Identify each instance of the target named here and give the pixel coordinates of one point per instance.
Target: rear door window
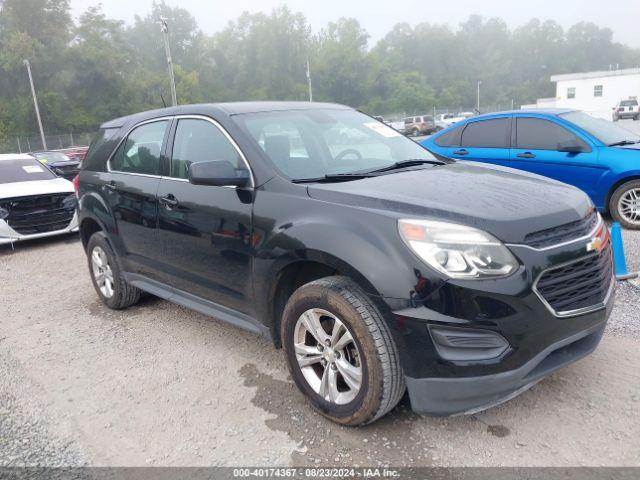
(450, 138)
(487, 134)
(540, 134)
(140, 152)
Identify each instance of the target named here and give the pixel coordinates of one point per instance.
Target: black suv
(378, 267)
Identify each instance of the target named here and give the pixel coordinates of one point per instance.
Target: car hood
(36, 187)
(505, 202)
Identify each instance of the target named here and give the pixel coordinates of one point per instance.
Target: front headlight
(456, 250)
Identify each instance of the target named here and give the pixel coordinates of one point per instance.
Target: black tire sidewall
(613, 204)
(334, 303)
(99, 240)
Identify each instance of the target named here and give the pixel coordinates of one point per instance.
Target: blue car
(595, 155)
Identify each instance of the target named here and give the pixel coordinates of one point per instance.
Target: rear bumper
(466, 395)
(8, 235)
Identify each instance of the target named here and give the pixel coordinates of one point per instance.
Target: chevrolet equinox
(376, 266)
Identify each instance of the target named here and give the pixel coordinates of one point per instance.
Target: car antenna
(163, 102)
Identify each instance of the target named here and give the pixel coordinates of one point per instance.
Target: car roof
(16, 156)
(231, 108)
(536, 111)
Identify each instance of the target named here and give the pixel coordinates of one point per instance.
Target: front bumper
(466, 346)
(467, 395)
(8, 235)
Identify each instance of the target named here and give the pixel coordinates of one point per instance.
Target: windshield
(607, 132)
(12, 171)
(306, 144)
(51, 157)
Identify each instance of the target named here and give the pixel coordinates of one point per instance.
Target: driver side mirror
(218, 173)
(571, 147)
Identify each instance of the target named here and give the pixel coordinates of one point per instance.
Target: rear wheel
(106, 275)
(625, 205)
(340, 352)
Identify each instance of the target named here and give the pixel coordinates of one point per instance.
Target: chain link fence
(33, 143)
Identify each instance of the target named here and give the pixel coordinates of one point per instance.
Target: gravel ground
(160, 385)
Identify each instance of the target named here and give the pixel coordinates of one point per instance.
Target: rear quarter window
(103, 143)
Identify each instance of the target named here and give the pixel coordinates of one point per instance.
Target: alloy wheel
(102, 272)
(629, 206)
(328, 356)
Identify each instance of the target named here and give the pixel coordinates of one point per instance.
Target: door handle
(461, 152)
(526, 155)
(169, 201)
(110, 185)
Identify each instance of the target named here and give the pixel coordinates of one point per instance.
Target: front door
(130, 189)
(205, 230)
(536, 150)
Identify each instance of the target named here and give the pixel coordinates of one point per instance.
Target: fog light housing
(467, 345)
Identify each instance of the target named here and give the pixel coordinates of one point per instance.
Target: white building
(594, 92)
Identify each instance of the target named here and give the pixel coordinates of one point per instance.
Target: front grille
(39, 213)
(563, 233)
(578, 285)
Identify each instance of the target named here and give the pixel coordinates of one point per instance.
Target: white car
(626, 109)
(444, 120)
(34, 202)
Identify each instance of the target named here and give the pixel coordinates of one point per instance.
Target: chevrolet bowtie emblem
(595, 244)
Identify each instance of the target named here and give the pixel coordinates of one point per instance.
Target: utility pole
(309, 81)
(165, 34)
(35, 104)
(478, 104)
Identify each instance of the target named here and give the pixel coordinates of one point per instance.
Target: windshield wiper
(622, 143)
(334, 177)
(408, 163)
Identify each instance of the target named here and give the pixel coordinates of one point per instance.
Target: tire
(628, 195)
(100, 255)
(371, 351)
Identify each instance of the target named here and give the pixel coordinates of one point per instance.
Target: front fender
(362, 244)
(613, 181)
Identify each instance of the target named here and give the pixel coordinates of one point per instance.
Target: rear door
(205, 230)
(486, 141)
(130, 190)
(536, 149)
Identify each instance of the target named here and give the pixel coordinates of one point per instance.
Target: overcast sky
(378, 16)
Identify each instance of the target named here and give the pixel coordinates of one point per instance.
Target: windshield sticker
(382, 129)
(32, 169)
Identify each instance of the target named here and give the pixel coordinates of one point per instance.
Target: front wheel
(625, 205)
(340, 352)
